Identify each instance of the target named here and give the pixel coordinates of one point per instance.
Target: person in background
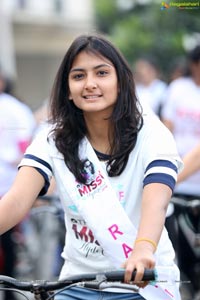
(149, 87)
(17, 125)
(178, 68)
(191, 164)
(97, 116)
(181, 114)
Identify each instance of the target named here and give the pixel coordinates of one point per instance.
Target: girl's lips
(91, 96)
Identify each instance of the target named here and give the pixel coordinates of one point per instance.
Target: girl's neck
(98, 135)
(99, 140)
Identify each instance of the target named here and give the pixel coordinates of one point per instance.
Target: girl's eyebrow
(96, 67)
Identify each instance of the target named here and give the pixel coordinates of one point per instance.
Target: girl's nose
(90, 83)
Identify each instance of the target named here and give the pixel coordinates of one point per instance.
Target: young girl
(117, 219)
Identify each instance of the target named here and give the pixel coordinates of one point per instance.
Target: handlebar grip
(118, 276)
(149, 275)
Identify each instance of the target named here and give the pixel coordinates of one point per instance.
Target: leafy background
(145, 28)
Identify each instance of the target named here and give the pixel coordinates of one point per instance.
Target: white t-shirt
(16, 129)
(154, 159)
(182, 108)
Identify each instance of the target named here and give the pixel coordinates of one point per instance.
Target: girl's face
(93, 83)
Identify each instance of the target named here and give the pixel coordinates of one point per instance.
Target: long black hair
(70, 127)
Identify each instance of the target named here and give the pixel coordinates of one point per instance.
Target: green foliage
(146, 29)
(106, 14)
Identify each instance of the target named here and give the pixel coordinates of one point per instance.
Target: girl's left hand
(140, 259)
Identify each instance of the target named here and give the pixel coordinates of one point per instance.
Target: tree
(148, 29)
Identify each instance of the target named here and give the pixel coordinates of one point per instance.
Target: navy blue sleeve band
(160, 178)
(46, 184)
(39, 160)
(161, 163)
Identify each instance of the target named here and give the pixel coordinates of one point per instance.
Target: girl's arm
(155, 199)
(16, 203)
(191, 163)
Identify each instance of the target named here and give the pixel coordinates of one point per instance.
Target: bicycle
(187, 214)
(40, 238)
(46, 290)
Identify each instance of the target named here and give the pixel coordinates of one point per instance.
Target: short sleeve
(161, 160)
(37, 156)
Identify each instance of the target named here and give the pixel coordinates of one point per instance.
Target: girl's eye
(102, 72)
(77, 76)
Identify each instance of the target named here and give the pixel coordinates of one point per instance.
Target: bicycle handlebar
(195, 203)
(92, 280)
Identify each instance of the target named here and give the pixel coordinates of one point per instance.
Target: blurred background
(34, 36)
